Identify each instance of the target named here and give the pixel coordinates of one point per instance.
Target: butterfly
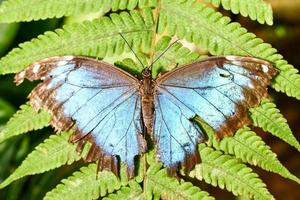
(113, 109)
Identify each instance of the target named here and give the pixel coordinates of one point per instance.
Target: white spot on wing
(49, 86)
(236, 62)
(251, 86)
(36, 68)
(69, 58)
(265, 68)
(231, 58)
(22, 74)
(62, 63)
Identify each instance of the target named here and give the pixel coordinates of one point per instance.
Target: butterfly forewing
(218, 89)
(102, 101)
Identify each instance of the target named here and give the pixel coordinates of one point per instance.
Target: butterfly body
(147, 94)
(112, 109)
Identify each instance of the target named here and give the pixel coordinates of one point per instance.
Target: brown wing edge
(43, 98)
(39, 69)
(188, 164)
(265, 72)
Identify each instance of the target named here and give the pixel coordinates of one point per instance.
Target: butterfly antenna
(132, 50)
(164, 52)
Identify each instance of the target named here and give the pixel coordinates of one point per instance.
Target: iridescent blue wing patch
(218, 89)
(102, 101)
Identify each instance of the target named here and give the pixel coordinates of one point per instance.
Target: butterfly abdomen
(147, 94)
(147, 111)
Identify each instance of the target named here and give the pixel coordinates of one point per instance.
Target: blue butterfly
(113, 109)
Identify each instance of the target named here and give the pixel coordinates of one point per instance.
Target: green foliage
(22, 10)
(255, 9)
(250, 148)
(24, 120)
(176, 55)
(132, 191)
(84, 185)
(85, 39)
(53, 153)
(162, 186)
(229, 173)
(211, 31)
(269, 118)
(190, 21)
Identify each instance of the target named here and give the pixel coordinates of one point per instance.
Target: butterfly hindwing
(174, 133)
(219, 90)
(102, 101)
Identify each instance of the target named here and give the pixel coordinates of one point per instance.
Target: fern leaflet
(269, 118)
(250, 148)
(56, 149)
(22, 10)
(23, 121)
(161, 185)
(84, 185)
(227, 172)
(210, 30)
(255, 9)
(132, 191)
(98, 38)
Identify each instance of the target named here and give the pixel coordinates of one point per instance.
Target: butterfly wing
(218, 89)
(101, 100)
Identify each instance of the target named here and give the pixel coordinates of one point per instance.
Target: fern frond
(250, 148)
(54, 152)
(176, 55)
(22, 10)
(132, 191)
(269, 118)
(256, 9)
(98, 38)
(24, 120)
(210, 30)
(229, 173)
(83, 184)
(162, 186)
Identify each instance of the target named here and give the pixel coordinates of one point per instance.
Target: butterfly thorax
(146, 91)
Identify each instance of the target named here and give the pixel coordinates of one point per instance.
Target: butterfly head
(147, 73)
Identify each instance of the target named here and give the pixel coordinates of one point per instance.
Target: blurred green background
(284, 36)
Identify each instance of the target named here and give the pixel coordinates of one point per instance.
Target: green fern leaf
(56, 149)
(98, 38)
(227, 172)
(176, 55)
(269, 118)
(132, 191)
(159, 184)
(204, 26)
(250, 148)
(255, 9)
(22, 10)
(23, 121)
(83, 184)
